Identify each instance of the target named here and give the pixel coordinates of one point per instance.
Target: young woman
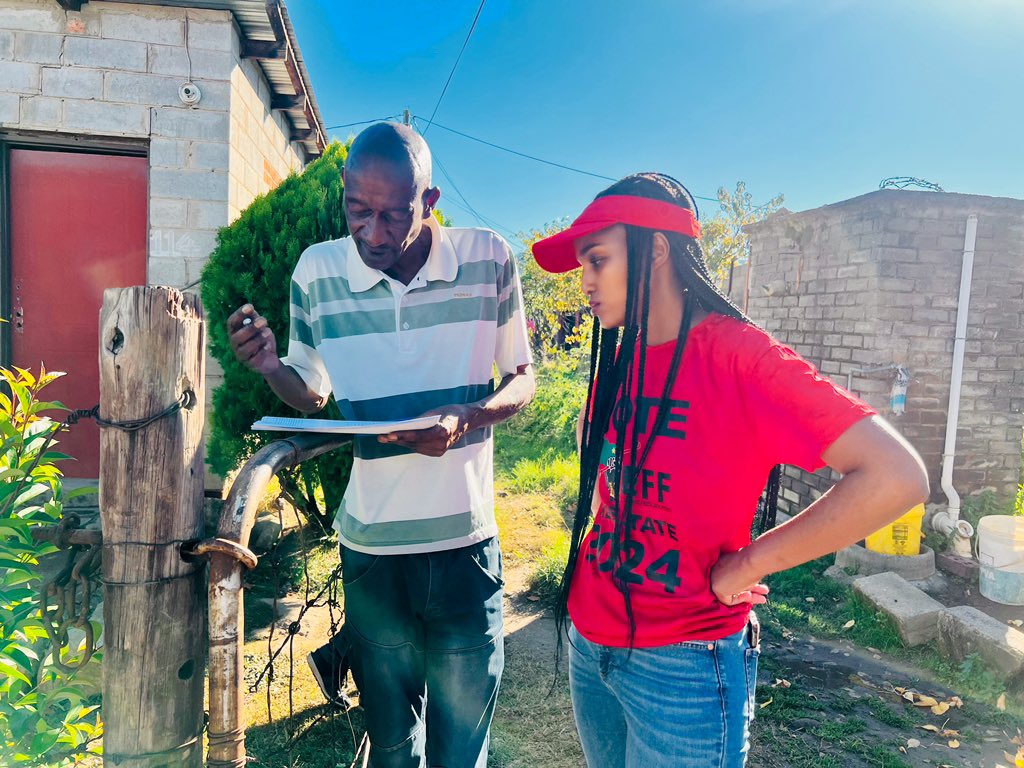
(691, 409)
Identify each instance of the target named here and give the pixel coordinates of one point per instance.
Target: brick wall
(253, 125)
(114, 70)
(874, 281)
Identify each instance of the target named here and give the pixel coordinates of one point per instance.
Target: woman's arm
(882, 478)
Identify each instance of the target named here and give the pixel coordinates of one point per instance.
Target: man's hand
(731, 586)
(438, 439)
(252, 341)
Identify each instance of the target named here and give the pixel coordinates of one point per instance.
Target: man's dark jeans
(427, 652)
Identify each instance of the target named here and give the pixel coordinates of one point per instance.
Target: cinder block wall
(873, 281)
(260, 153)
(113, 70)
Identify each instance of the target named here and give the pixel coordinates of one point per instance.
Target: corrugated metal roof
(254, 18)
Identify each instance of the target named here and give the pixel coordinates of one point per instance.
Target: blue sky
(817, 99)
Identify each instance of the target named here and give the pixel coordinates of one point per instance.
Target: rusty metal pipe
(227, 715)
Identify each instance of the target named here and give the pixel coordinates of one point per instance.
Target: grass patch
(533, 724)
(547, 576)
(893, 718)
(834, 605)
(830, 607)
(547, 424)
(528, 524)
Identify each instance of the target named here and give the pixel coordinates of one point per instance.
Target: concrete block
(188, 184)
(41, 112)
(98, 116)
(73, 82)
(167, 271)
(105, 54)
(839, 575)
(206, 214)
(213, 65)
(168, 153)
(211, 35)
(38, 17)
(167, 60)
(914, 613)
(190, 124)
(206, 65)
(142, 26)
(10, 108)
(176, 243)
(6, 45)
(167, 213)
(209, 154)
(964, 630)
(864, 562)
(195, 267)
(20, 76)
(203, 243)
(38, 47)
(138, 88)
(84, 22)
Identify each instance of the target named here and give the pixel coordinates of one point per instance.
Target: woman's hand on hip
(731, 586)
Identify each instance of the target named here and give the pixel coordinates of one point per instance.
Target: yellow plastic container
(900, 537)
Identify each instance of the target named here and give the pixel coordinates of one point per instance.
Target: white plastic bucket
(1001, 556)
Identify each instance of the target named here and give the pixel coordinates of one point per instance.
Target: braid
(610, 396)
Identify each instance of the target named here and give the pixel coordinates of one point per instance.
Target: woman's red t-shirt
(741, 404)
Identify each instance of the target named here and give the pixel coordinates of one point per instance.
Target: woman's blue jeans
(687, 705)
(427, 652)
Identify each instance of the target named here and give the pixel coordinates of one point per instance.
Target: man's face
(384, 210)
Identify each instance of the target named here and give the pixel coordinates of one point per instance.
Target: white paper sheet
(284, 424)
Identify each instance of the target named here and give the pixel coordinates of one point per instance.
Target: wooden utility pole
(152, 350)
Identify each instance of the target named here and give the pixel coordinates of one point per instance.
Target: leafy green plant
(253, 263)
(45, 719)
(556, 309)
(723, 239)
(546, 580)
(976, 677)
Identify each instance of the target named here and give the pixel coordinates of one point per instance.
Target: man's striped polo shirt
(391, 351)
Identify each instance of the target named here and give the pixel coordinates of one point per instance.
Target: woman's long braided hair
(615, 382)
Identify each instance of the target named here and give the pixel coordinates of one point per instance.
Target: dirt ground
(827, 703)
(820, 702)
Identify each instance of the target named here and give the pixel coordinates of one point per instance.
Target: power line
(455, 65)
(466, 205)
(490, 143)
(361, 122)
(522, 154)
(540, 159)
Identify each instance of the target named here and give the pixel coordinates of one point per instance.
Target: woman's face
(603, 256)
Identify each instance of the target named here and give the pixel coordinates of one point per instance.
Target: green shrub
(253, 262)
(44, 718)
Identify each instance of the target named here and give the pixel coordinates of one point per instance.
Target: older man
(404, 318)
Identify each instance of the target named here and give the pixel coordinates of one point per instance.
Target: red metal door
(78, 225)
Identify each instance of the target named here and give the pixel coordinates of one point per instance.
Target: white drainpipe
(944, 522)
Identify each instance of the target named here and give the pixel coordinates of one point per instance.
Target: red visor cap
(557, 254)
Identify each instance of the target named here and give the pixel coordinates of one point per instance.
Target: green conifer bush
(253, 262)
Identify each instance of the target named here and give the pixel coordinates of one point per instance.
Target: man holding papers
(407, 318)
